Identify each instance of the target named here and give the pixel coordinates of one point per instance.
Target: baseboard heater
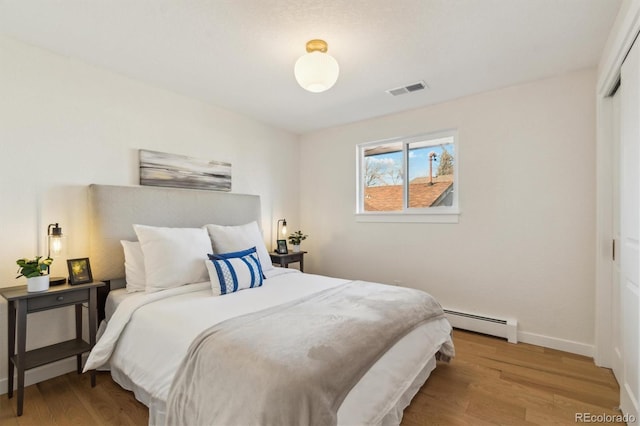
(505, 328)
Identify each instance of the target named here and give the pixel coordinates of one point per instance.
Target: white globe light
(316, 71)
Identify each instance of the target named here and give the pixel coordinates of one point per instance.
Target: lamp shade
(316, 71)
(281, 230)
(55, 248)
(54, 235)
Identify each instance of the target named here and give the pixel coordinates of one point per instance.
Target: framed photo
(79, 271)
(282, 247)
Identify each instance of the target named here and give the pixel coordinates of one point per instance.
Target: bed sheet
(156, 339)
(114, 298)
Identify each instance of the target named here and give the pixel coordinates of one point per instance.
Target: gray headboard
(114, 209)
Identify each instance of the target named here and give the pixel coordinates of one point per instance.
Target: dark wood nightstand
(285, 259)
(22, 303)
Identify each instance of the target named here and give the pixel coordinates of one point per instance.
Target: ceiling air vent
(413, 87)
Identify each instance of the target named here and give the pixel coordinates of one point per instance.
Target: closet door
(616, 298)
(630, 233)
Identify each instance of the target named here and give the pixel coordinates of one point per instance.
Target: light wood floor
(489, 382)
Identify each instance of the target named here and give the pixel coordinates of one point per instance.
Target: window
(409, 179)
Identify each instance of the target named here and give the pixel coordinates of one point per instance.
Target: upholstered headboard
(114, 209)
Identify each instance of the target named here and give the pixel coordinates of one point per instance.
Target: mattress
(155, 340)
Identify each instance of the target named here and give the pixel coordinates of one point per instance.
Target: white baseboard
(556, 343)
(42, 373)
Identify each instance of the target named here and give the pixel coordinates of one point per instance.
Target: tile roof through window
(389, 197)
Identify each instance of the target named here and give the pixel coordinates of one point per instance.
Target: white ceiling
(239, 54)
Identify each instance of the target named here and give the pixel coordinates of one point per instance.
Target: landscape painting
(180, 171)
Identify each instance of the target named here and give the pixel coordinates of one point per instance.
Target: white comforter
(149, 334)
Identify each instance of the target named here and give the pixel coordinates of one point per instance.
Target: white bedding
(114, 299)
(145, 352)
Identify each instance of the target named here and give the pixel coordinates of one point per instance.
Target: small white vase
(296, 248)
(36, 284)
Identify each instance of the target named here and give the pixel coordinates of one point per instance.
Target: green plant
(33, 267)
(297, 237)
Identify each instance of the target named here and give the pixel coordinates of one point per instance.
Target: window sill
(400, 217)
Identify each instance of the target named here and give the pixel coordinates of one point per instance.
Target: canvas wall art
(180, 171)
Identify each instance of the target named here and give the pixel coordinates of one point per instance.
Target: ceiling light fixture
(316, 71)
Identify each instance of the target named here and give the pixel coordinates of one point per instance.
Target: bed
(147, 337)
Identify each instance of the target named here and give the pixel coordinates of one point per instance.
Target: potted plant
(34, 270)
(295, 239)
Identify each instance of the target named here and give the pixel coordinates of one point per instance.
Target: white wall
(65, 124)
(524, 247)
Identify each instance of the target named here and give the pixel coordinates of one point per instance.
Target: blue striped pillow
(231, 272)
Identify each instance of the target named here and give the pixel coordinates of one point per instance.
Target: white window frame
(441, 214)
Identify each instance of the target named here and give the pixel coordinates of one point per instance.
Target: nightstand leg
(301, 263)
(11, 321)
(93, 325)
(79, 335)
(22, 343)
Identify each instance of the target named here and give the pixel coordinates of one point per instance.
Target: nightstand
(22, 303)
(285, 259)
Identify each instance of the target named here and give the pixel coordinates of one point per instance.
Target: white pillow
(237, 238)
(134, 266)
(173, 256)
